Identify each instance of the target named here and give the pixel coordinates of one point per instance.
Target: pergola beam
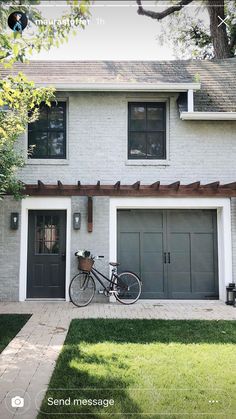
(136, 189)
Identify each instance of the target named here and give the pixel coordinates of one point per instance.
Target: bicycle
(126, 286)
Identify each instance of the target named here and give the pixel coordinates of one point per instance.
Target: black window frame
(63, 156)
(161, 105)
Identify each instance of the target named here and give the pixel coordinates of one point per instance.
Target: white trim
(42, 204)
(190, 101)
(208, 116)
(223, 223)
(123, 87)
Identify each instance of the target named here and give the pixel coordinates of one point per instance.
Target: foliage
(17, 47)
(187, 29)
(19, 101)
(19, 98)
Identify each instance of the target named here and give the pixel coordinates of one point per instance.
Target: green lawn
(149, 367)
(10, 325)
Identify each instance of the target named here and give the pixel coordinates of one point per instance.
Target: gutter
(208, 116)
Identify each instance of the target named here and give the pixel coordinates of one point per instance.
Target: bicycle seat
(114, 263)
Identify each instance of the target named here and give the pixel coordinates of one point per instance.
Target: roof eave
(123, 87)
(208, 116)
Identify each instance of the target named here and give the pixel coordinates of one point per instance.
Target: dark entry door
(46, 254)
(173, 251)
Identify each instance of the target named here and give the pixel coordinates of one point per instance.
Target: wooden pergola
(136, 189)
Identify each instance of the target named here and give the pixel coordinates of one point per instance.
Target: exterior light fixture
(230, 294)
(76, 220)
(14, 220)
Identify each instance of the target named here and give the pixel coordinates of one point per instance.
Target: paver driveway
(27, 362)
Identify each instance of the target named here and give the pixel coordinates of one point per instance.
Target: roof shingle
(217, 77)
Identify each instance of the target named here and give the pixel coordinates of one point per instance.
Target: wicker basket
(85, 264)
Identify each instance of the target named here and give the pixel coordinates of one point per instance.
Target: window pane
(137, 117)
(137, 145)
(42, 122)
(155, 145)
(56, 144)
(39, 142)
(155, 118)
(56, 117)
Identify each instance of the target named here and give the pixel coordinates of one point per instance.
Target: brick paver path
(28, 361)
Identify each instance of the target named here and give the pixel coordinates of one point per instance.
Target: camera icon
(17, 401)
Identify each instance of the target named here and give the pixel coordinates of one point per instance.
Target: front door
(173, 251)
(46, 254)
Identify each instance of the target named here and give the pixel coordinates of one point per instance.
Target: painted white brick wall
(97, 127)
(9, 251)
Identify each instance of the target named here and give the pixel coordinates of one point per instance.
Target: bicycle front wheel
(82, 289)
(128, 288)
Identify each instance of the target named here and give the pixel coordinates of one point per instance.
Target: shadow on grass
(10, 325)
(151, 331)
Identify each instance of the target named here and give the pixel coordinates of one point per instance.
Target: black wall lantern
(76, 220)
(230, 294)
(14, 220)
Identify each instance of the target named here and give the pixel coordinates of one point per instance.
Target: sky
(115, 32)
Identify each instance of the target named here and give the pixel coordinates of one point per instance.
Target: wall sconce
(14, 220)
(76, 220)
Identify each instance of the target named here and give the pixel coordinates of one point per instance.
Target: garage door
(173, 251)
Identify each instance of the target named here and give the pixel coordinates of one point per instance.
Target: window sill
(147, 162)
(57, 162)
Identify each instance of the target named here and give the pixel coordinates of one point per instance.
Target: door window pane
(47, 234)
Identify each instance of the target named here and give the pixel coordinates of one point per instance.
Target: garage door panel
(204, 282)
(152, 261)
(129, 250)
(190, 220)
(150, 278)
(180, 282)
(152, 242)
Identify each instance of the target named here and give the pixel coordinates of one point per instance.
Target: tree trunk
(218, 33)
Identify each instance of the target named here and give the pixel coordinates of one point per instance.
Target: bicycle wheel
(128, 288)
(82, 289)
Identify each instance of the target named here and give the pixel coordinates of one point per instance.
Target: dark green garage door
(173, 251)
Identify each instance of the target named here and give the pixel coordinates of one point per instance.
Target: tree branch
(161, 15)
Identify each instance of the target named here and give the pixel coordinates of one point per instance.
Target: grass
(10, 325)
(150, 368)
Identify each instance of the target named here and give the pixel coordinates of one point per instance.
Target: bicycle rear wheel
(82, 289)
(128, 288)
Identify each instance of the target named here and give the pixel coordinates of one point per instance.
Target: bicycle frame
(95, 273)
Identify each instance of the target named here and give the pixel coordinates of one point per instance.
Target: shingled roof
(217, 77)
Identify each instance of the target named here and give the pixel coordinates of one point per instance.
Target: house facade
(135, 161)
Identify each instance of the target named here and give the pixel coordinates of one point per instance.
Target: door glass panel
(47, 234)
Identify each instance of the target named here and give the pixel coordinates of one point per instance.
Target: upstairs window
(47, 135)
(147, 130)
